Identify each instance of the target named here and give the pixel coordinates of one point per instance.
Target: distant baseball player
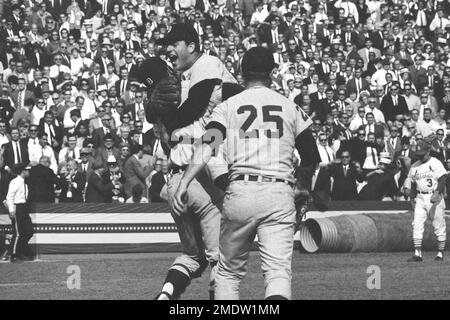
(260, 130)
(427, 177)
(203, 86)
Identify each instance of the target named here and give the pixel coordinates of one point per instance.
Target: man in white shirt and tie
(439, 22)
(325, 151)
(17, 202)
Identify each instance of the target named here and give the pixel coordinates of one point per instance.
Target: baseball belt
(247, 177)
(425, 192)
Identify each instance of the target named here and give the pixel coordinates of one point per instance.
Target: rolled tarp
(364, 233)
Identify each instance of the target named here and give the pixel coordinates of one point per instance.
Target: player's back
(261, 129)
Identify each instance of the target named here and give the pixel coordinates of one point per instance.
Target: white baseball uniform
(261, 127)
(426, 176)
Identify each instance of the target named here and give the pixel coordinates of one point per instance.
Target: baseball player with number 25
(260, 130)
(427, 177)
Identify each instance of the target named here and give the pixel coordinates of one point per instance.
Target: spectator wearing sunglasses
(345, 174)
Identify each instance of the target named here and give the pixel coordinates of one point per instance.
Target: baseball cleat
(415, 259)
(438, 258)
(163, 296)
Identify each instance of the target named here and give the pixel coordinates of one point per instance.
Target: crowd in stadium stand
(373, 75)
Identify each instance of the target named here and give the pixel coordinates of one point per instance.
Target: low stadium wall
(127, 228)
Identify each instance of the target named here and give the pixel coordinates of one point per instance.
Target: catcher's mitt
(164, 98)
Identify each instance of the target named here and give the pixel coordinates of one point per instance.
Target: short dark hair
(135, 148)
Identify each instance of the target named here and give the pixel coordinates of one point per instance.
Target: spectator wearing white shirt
(71, 152)
(379, 77)
(325, 151)
(349, 9)
(412, 100)
(76, 63)
(90, 106)
(43, 149)
(111, 76)
(378, 115)
(260, 14)
(439, 21)
(359, 119)
(4, 137)
(38, 111)
(425, 126)
(58, 67)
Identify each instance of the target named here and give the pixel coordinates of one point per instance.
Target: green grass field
(139, 276)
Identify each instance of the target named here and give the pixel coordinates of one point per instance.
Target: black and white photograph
(199, 150)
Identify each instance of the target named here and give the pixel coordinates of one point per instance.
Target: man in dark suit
(104, 59)
(15, 152)
(106, 129)
(323, 107)
(85, 166)
(8, 32)
(129, 44)
(380, 183)
(393, 142)
(21, 95)
(73, 183)
(214, 18)
(55, 133)
(323, 68)
(372, 127)
(345, 175)
(123, 84)
(357, 83)
(132, 109)
(393, 104)
(418, 73)
(106, 150)
(42, 182)
(317, 181)
(377, 39)
(100, 188)
(133, 170)
(434, 82)
(97, 79)
(349, 35)
(159, 179)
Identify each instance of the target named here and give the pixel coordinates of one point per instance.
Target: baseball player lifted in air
(260, 130)
(203, 79)
(427, 177)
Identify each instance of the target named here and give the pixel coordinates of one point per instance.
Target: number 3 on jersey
(269, 114)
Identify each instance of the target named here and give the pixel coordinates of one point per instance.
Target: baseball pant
(22, 231)
(264, 209)
(421, 212)
(198, 228)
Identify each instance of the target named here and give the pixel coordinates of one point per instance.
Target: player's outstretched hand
(179, 200)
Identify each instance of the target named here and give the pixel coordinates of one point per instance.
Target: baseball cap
(258, 60)
(152, 70)
(180, 32)
(422, 148)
